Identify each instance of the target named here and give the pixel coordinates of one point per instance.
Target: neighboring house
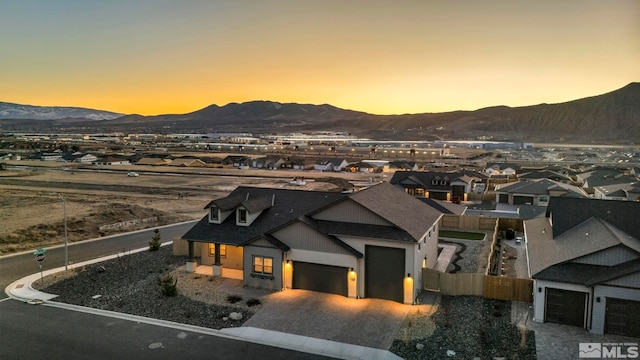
(373, 243)
(112, 160)
(83, 158)
(187, 162)
(363, 167)
(445, 207)
(237, 161)
(603, 177)
(153, 161)
(506, 169)
(55, 155)
(270, 162)
(294, 164)
(545, 174)
(535, 192)
(438, 185)
(584, 258)
(626, 191)
(394, 166)
(335, 164)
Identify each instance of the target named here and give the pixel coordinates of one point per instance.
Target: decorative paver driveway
(367, 322)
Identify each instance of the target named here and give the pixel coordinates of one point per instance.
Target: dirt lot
(32, 211)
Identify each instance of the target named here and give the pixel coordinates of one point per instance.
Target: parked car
(131, 173)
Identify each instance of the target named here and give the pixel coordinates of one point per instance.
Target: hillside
(19, 111)
(611, 117)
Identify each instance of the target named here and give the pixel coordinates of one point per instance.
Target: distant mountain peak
(32, 112)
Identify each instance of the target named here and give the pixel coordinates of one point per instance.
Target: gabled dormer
(250, 209)
(220, 209)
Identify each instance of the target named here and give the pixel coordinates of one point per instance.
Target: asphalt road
(42, 332)
(13, 267)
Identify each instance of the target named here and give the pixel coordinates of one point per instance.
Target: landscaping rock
(235, 316)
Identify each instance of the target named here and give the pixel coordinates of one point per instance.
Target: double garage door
(622, 317)
(321, 278)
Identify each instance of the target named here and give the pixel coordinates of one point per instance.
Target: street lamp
(66, 247)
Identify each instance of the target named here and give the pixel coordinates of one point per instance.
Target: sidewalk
(22, 290)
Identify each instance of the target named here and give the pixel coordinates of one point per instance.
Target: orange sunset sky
(383, 57)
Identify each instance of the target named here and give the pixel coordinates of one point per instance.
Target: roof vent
(273, 200)
(247, 198)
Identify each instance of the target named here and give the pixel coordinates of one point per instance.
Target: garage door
(622, 317)
(438, 195)
(503, 198)
(384, 273)
(521, 200)
(565, 307)
(321, 278)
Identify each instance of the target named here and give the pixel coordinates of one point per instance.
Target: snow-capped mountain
(18, 111)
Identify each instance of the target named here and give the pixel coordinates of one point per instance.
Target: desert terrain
(32, 209)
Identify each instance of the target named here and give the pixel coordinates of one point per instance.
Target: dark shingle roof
(399, 208)
(362, 230)
(288, 206)
(443, 207)
(541, 187)
(569, 212)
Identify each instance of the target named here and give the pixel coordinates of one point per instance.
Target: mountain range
(613, 117)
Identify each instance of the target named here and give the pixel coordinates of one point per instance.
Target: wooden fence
(478, 284)
(468, 223)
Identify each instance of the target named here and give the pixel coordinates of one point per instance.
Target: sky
(383, 57)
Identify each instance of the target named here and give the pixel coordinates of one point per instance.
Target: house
(83, 158)
(112, 160)
(55, 155)
(187, 162)
(584, 258)
(507, 169)
(394, 166)
(363, 167)
(153, 161)
(603, 177)
(270, 162)
(439, 185)
(545, 174)
(445, 207)
(625, 191)
(535, 192)
(373, 243)
(294, 164)
(237, 161)
(335, 164)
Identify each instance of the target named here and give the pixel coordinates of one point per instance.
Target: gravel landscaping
(129, 285)
(465, 327)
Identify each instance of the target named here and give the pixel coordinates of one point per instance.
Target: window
(263, 265)
(242, 216)
(544, 198)
(213, 213)
(223, 250)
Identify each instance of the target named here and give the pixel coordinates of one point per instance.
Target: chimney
(273, 199)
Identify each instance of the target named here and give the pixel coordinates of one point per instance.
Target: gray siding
(629, 281)
(250, 279)
(349, 211)
(609, 257)
(301, 236)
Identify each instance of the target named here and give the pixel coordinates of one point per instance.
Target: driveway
(366, 322)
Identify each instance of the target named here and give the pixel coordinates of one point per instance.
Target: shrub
(155, 243)
(253, 302)
(168, 285)
(234, 298)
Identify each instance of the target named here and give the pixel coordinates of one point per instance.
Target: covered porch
(225, 273)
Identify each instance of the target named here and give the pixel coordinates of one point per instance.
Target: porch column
(217, 265)
(192, 264)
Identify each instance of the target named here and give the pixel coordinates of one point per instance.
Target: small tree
(168, 285)
(155, 243)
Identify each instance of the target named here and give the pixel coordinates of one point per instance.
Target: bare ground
(32, 210)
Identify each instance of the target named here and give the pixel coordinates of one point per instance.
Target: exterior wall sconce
(539, 289)
(408, 275)
(597, 298)
(288, 262)
(350, 269)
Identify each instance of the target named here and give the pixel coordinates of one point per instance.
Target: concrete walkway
(22, 290)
